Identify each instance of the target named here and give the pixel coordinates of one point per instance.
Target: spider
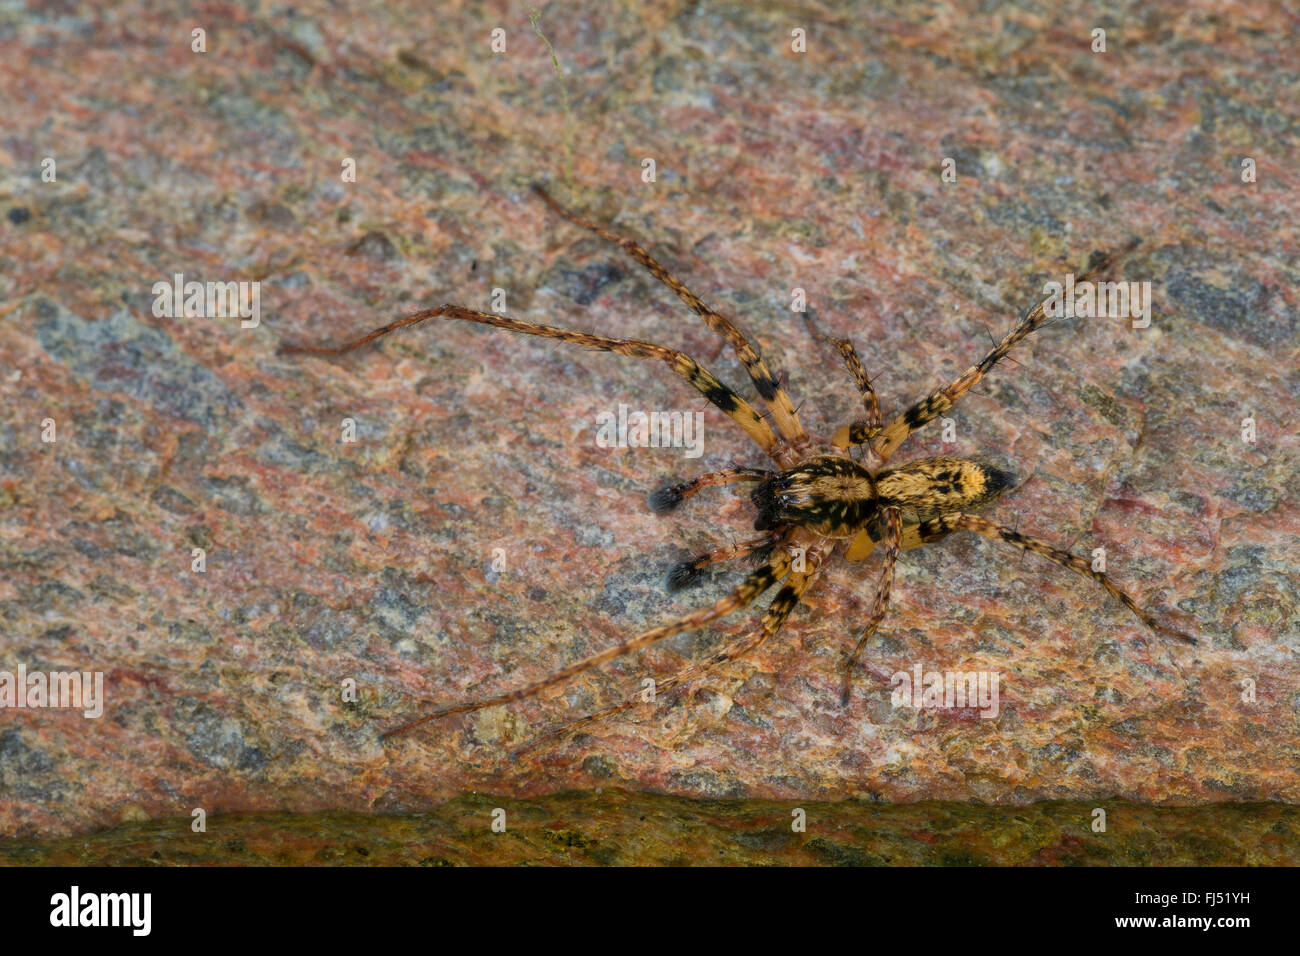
(817, 495)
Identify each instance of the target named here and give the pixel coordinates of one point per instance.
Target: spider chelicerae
(817, 496)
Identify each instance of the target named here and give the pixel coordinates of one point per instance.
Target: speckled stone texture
(373, 561)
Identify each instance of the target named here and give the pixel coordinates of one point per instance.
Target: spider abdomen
(830, 496)
(929, 487)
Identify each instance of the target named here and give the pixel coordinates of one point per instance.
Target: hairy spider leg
(773, 618)
(892, 519)
(688, 572)
(783, 412)
(886, 442)
(870, 404)
(913, 536)
(868, 427)
(670, 496)
(944, 524)
(753, 585)
(740, 411)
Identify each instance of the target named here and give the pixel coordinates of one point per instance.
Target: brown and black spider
(818, 496)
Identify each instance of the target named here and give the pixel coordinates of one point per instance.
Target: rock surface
(377, 561)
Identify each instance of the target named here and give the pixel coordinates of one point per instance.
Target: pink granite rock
(379, 561)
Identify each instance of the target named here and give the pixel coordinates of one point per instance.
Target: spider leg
(670, 496)
(783, 412)
(862, 430)
(740, 411)
(955, 522)
(753, 585)
(886, 442)
(913, 536)
(940, 400)
(773, 618)
(892, 519)
(686, 573)
(869, 401)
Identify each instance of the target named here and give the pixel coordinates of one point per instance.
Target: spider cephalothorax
(829, 496)
(816, 498)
